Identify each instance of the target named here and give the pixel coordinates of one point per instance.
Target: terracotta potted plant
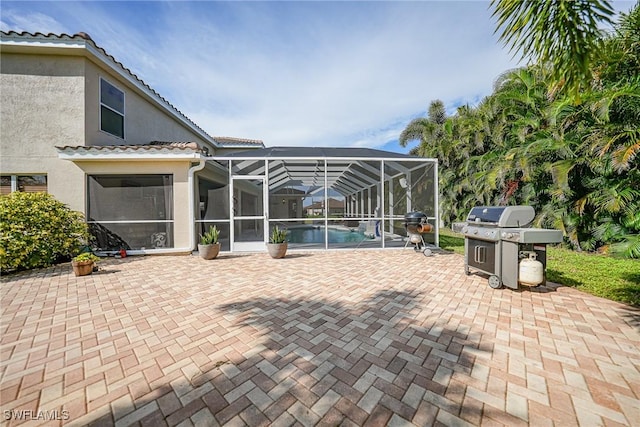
(277, 246)
(209, 247)
(84, 264)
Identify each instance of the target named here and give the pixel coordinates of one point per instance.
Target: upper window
(111, 109)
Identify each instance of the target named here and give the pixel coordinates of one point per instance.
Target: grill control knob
(475, 231)
(504, 235)
(510, 235)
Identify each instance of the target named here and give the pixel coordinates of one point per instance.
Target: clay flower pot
(82, 268)
(84, 264)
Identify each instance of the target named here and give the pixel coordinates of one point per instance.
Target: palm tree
(562, 35)
(616, 98)
(429, 131)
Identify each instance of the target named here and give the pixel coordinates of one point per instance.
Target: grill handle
(480, 254)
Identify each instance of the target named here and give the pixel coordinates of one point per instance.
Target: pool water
(315, 234)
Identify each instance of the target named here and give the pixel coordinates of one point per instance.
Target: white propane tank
(531, 271)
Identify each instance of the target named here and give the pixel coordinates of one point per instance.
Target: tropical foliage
(86, 256)
(575, 159)
(36, 231)
(561, 34)
(278, 235)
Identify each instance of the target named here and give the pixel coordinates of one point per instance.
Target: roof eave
(125, 155)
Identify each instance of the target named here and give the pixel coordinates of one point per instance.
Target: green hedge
(36, 230)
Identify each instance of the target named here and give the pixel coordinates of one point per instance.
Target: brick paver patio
(318, 338)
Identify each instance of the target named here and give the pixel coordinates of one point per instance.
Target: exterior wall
(42, 105)
(144, 122)
(179, 170)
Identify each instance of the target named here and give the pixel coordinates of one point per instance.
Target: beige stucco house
(78, 124)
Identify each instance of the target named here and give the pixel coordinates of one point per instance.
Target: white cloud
(336, 85)
(31, 22)
(294, 73)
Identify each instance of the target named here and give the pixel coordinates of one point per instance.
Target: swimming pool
(315, 234)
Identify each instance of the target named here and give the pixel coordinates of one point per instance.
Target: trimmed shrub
(36, 231)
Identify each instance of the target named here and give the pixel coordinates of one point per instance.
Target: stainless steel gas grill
(499, 243)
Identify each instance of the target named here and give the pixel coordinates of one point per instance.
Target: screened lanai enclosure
(326, 198)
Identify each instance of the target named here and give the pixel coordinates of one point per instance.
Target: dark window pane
(111, 96)
(32, 184)
(5, 185)
(112, 122)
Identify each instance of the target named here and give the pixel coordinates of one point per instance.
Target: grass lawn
(612, 278)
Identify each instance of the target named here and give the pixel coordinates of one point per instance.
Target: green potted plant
(209, 247)
(277, 246)
(84, 263)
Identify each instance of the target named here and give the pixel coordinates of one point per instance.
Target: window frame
(15, 187)
(110, 108)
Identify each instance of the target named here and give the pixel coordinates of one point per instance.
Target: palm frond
(563, 33)
(628, 248)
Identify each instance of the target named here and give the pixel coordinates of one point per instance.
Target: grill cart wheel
(495, 282)
(427, 252)
(467, 271)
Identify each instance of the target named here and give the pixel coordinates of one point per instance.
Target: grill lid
(414, 215)
(502, 216)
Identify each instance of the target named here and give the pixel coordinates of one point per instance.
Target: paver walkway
(323, 338)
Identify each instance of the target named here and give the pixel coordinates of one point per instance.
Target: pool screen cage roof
(348, 171)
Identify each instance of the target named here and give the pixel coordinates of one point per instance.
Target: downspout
(192, 194)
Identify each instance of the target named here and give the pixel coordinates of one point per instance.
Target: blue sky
(293, 73)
